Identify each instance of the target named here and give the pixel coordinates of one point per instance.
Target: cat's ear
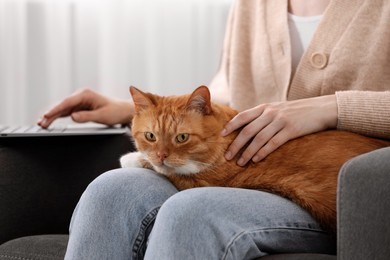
(200, 100)
(141, 100)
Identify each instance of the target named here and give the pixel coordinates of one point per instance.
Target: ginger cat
(179, 137)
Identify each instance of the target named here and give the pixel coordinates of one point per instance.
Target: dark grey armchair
(41, 180)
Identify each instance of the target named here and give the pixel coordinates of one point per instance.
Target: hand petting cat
(267, 126)
(89, 106)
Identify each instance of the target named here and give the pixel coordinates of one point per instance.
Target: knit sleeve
(364, 112)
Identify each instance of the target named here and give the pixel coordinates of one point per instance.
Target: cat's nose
(162, 155)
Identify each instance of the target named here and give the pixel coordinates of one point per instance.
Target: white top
(301, 31)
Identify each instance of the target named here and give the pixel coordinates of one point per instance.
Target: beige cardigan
(349, 55)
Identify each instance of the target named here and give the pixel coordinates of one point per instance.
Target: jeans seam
(140, 239)
(245, 232)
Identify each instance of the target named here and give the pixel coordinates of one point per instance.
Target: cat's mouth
(163, 167)
(167, 168)
(163, 164)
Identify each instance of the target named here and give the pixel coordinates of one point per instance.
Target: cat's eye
(181, 138)
(150, 136)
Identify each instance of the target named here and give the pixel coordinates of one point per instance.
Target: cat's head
(179, 134)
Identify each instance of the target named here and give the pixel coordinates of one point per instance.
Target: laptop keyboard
(30, 129)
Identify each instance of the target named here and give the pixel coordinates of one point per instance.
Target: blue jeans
(137, 214)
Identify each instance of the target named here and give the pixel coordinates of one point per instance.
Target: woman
(285, 65)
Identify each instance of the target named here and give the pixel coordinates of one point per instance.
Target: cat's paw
(131, 160)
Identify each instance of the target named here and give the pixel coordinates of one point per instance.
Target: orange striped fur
(304, 170)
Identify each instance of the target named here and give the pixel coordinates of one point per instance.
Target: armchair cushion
(53, 247)
(44, 247)
(364, 207)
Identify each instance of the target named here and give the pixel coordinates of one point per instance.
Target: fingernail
(42, 121)
(256, 158)
(240, 162)
(224, 132)
(228, 155)
(76, 116)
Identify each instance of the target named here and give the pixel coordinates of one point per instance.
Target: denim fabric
(227, 223)
(115, 214)
(118, 210)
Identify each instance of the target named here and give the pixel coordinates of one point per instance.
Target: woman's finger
(261, 139)
(65, 107)
(274, 143)
(80, 100)
(100, 115)
(245, 135)
(242, 119)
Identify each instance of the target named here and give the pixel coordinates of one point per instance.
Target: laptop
(61, 130)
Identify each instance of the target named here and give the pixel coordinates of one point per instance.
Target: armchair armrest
(364, 207)
(42, 179)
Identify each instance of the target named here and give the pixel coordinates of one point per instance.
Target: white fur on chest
(137, 160)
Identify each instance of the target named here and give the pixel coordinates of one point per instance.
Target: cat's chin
(189, 168)
(136, 159)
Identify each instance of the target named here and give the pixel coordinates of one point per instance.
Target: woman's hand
(87, 105)
(267, 126)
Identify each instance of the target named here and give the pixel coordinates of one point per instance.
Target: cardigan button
(319, 60)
